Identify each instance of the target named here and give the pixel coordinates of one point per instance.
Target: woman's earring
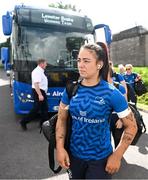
(99, 66)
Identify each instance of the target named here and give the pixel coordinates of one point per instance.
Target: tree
(60, 5)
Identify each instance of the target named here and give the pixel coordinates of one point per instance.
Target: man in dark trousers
(39, 89)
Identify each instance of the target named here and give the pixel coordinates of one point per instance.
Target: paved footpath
(59, 177)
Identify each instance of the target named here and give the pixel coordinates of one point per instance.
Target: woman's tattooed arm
(130, 129)
(61, 125)
(129, 123)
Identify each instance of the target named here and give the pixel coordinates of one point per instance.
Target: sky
(118, 14)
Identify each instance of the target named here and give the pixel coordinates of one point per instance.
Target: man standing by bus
(39, 89)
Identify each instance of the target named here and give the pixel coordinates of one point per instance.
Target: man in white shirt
(39, 88)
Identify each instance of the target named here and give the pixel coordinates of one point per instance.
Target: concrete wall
(130, 46)
(146, 50)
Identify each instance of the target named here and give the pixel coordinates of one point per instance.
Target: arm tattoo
(127, 138)
(129, 123)
(129, 117)
(61, 127)
(61, 136)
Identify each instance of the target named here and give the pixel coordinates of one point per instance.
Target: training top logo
(99, 100)
(83, 113)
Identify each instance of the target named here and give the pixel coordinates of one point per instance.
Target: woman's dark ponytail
(105, 69)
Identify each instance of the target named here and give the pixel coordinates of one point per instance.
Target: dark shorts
(93, 169)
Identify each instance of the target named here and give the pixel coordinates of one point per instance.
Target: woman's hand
(130, 129)
(113, 164)
(41, 97)
(138, 78)
(63, 158)
(119, 124)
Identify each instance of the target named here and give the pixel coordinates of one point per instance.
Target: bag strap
(51, 147)
(141, 119)
(143, 124)
(71, 89)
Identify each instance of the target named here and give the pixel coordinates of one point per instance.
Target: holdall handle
(48, 128)
(51, 159)
(143, 124)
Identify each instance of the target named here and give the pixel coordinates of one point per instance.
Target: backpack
(140, 124)
(48, 129)
(139, 120)
(140, 88)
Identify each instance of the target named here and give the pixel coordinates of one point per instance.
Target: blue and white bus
(53, 34)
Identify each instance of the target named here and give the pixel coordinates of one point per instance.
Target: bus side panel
(23, 99)
(54, 96)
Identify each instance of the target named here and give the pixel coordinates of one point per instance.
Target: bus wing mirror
(7, 24)
(102, 33)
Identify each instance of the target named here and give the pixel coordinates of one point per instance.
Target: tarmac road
(23, 155)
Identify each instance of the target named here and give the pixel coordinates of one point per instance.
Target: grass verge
(142, 106)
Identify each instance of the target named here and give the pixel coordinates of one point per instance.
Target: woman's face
(87, 64)
(128, 70)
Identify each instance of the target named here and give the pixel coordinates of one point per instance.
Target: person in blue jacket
(91, 153)
(130, 76)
